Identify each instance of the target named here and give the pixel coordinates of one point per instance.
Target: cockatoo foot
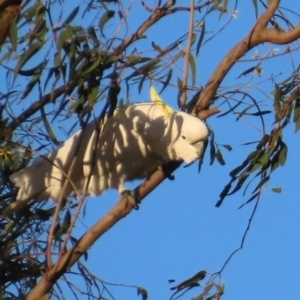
(132, 197)
(166, 171)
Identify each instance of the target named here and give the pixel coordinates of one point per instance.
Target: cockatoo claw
(166, 171)
(132, 197)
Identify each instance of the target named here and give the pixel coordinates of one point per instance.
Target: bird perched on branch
(131, 145)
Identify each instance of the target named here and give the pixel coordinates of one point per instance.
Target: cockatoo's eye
(183, 137)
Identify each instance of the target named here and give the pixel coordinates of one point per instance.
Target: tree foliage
(59, 64)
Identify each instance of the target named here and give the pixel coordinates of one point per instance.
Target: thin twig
(243, 238)
(183, 92)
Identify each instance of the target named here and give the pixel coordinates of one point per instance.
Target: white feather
(131, 146)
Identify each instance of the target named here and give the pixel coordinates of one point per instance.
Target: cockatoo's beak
(199, 147)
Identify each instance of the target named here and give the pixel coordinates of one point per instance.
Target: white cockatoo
(132, 145)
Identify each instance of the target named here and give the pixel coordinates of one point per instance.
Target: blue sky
(178, 231)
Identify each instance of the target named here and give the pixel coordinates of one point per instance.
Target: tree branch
(117, 212)
(159, 13)
(138, 34)
(265, 18)
(275, 36)
(258, 34)
(34, 107)
(37, 105)
(5, 3)
(183, 94)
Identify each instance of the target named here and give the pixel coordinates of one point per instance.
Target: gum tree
(59, 64)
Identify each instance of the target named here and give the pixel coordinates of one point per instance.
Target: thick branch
(5, 3)
(275, 36)
(159, 13)
(259, 34)
(265, 18)
(119, 211)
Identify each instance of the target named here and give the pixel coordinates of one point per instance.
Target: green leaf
(200, 39)
(50, 73)
(14, 35)
(230, 110)
(71, 16)
(250, 70)
(260, 113)
(105, 18)
(93, 94)
(48, 128)
(263, 141)
(250, 200)
(34, 48)
(296, 117)
(35, 70)
(29, 72)
(145, 69)
(120, 15)
(92, 33)
(111, 59)
(228, 147)
(156, 47)
(240, 183)
(34, 80)
(261, 183)
(263, 160)
(277, 190)
(141, 291)
(30, 85)
(283, 154)
(212, 151)
(97, 62)
(8, 228)
(67, 220)
(141, 83)
(179, 83)
(255, 7)
(224, 193)
(135, 59)
(193, 68)
(277, 101)
(193, 281)
(65, 36)
(244, 112)
(58, 231)
(219, 158)
(112, 96)
(275, 161)
(166, 83)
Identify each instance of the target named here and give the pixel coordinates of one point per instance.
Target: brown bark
(5, 3)
(8, 11)
(259, 34)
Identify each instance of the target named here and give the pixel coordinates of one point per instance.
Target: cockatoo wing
(45, 177)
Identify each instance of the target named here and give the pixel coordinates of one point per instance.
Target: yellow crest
(167, 110)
